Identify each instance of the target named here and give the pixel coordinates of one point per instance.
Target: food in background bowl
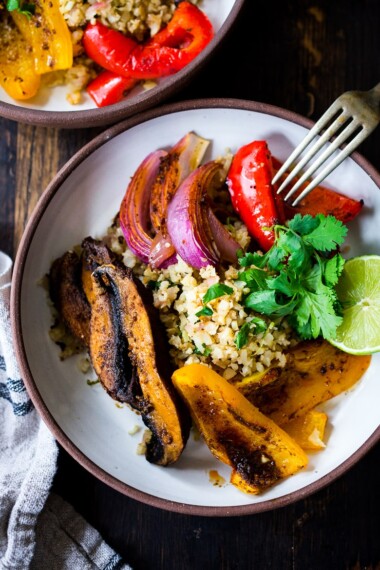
(245, 287)
(103, 47)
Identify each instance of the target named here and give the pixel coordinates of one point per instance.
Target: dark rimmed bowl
(81, 200)
(87, 115)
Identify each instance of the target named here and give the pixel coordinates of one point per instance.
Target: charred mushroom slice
(109, 347)
(65, 289)
(125, 324)
(94, 254)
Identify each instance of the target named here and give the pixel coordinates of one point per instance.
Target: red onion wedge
(188, 219)
(134, 210)
(162, 251)
(185, 156)
(225, 243)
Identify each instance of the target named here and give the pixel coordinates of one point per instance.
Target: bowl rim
(17, 279)
(113, 113)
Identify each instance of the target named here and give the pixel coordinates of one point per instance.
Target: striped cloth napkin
(38, 529)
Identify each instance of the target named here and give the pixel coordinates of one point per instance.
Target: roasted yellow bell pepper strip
(308, 430)
(17, 74)
(49, 36)
(236, 432)
(315, 372)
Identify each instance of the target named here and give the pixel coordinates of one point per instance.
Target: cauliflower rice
(137, 18)
(178, 292)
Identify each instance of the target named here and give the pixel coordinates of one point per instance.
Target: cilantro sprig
(296, 278)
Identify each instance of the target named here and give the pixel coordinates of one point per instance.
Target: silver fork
(358, 113)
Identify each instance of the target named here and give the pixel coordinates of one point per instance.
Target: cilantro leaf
(12, 5)
(303, 225)
(254, 278)
(205, 312)
(153, 285)
(311, 280)
(332, 269)
(255, 259)
(25, 8)
(266, 302)
(317, 311)
(328, 235)
(255, 326)
(215, 291)
(294, 248)
(283, 283)
(275, 258)
(205, 352)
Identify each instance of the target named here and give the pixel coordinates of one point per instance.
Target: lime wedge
(358, 290)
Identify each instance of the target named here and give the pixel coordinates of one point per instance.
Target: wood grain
(37, 162)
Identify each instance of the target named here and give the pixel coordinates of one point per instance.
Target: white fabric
(37, 531)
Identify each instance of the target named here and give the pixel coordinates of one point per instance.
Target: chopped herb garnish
(215, 291)
(205, 312)
(230, 223)
(153, 285)
(93, 382)
(205, 352)
(297, 276)
(25, 8)
(254, 326)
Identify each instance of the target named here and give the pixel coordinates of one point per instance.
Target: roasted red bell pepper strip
(176, 45)
(108, 48)
(108, 88)
(185, 36)
(249, 182)
(321, 200)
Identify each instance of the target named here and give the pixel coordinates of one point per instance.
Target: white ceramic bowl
(81, 201)
(50, 107)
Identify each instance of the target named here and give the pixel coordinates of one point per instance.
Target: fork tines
(336, 121)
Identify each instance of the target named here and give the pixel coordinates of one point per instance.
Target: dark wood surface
(301, 55)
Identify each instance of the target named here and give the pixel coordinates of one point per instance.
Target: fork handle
(374, 95)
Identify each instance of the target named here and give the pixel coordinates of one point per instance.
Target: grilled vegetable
(171, 49)
(17, 74)
(249, 183)
(129, 354)
(65, 288)
(197, 235)
(315, 372)
(181, 160)
(236, 432)
(109, 346)
(321, 200)
(134, 209)
(47, 33)
(94, 254)
(308, 430)
(108, 88)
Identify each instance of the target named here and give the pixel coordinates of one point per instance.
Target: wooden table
(299, 55)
